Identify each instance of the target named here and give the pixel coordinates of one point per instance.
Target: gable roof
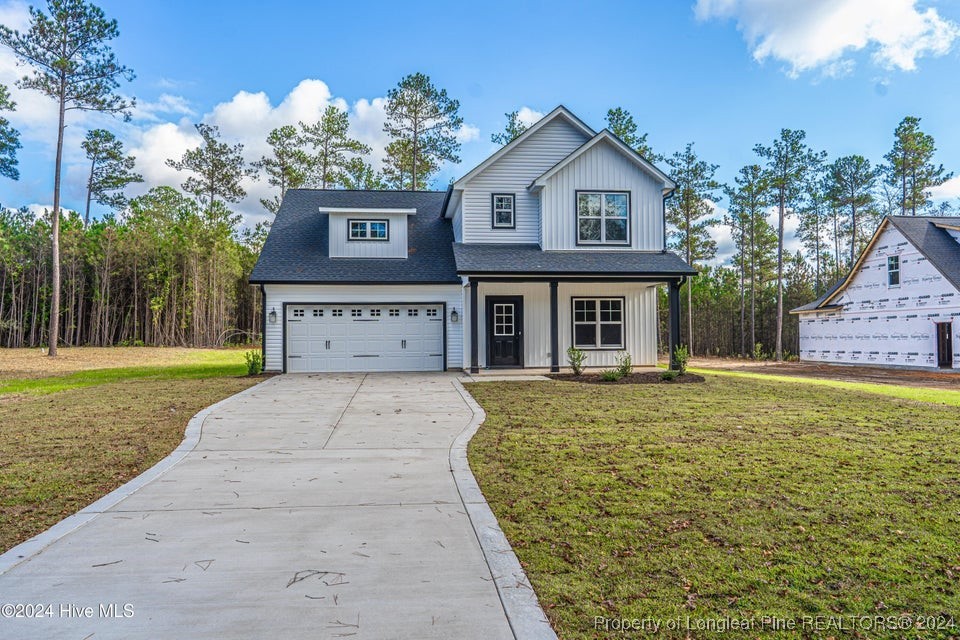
(560, 112)
(619, 145)
(927, 233)
(297, 249)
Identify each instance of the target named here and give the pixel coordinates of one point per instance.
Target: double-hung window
(893, 271)
(598, 323)
(504, 211)
(603, 217)
(369, 229)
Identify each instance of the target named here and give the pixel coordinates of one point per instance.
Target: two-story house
(556, 240)
(900, 304)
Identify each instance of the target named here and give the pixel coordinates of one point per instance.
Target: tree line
(171, 267)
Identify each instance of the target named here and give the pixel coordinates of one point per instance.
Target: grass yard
(735, 498)
(74, 429)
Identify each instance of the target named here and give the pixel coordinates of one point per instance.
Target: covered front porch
(528, 322)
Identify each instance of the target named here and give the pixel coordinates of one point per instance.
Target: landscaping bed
(641, 377)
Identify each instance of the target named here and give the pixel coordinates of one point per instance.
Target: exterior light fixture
(454, 316)
(273, 315)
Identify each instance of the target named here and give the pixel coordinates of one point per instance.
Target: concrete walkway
(315, 506)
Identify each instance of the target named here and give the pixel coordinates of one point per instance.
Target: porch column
(674, 297)
(474, 331)
(554, 329)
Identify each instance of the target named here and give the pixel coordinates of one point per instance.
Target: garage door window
(374, 313)
(336, 313)
(298, 313)
(413, 312)
(394, 313)
(356, 313)
(432, 313)
(318, 313)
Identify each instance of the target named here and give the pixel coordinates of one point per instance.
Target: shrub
(576, 358)
(758, 353)
(254, 362)
(610, 375)
(682, 356)
(624, 364)
(131, 343)
(669, 375)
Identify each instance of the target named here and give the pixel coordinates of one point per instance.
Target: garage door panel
(369, 337)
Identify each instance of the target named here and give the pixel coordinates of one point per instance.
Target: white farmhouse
(900, 304)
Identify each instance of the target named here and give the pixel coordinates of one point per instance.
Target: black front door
(944, 345)
(504, 331)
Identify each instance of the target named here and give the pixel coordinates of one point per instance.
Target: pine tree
(9, 138)
(748, 202)
(287, 166)
(111, 171)
(332, 146)
(69, 61)
(852, 179)
(424, 121)
(911, 168)
(218, 167)
(691, 215)
(512, 130)
(361, 175)
(621, 124)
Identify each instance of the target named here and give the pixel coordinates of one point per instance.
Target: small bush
(669, 375)
(682, 356)
(131, 343)
(254, 362)
(624, 364)
(576, 358)
(758, 353)
(610, 375)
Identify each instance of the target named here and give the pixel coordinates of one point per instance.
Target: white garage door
(364, 337)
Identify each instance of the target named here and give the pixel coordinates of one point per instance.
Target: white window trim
(603, 218)
(891, 271)
(598, 323)
(366, 230)
(512, 209)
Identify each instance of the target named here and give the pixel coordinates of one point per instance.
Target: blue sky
(725, 74)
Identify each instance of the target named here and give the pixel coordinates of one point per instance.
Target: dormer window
(603, 217)
(369, 229)
(504, 215)
(893, 271)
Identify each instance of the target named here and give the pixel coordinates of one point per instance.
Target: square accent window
(431, 313)
(298, 313)
(893, 271)
(356, 313)
(603, 218)
(504, 205)
(413, 312)
(394, 313)
(318, 313)
(368, 229)
(374, 313)
(598, 323)
(337, 313)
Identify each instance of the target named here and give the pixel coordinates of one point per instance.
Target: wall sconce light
(454, 316)
(273, 316)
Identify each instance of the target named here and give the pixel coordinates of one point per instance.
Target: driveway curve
(313, 506)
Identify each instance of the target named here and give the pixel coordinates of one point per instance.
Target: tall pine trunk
(779, 354)
(54, 331)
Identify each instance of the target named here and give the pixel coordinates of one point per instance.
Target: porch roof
(530, 259)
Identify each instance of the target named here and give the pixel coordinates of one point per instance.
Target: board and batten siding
(278, 294)
(884, 325)
(342, 247)
(513, 173)
(640, 318)
(602, 168)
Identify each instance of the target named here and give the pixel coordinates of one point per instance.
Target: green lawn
(735, 498)
(74, 429)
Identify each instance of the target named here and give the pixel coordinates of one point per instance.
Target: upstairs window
(603, 217)
(893, 271)
(369, 229)
(504, 205)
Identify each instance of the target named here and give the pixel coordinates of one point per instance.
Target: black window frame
(603, 230)
(367, 222)
(493, 211)
(598, 346)
(891, 271)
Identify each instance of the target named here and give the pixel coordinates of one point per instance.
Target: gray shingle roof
(528, 258)
(297, 248)
(934, 243)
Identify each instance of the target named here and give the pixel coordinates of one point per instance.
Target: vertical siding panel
(394, 247)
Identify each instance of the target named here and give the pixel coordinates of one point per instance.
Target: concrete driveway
(314, 506)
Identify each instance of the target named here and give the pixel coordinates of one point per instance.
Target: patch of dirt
(645, 377)
(847, 373)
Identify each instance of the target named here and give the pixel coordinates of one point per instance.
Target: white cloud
(165, 105)
(468, 133)
(820, 34)
(528, 116)
(948, 190)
